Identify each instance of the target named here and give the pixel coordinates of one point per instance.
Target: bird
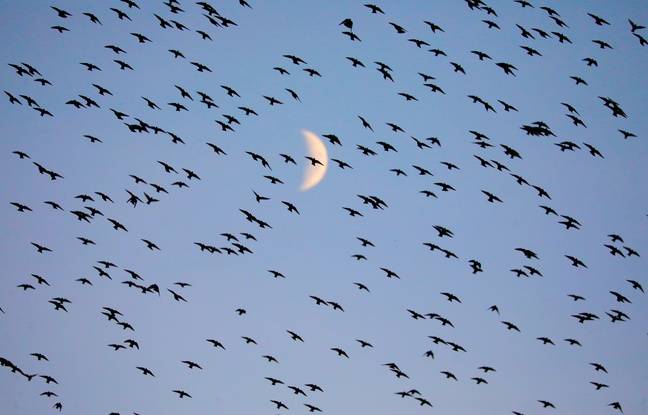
(340, 352)
(279, 404)
(297, 391)
(150, 245)
(314, 388)
(546, 340)
(274, 381)
(182, 394)
(575, 262)
(272, 100)
(352, 212)
(634, 26)
(374, 9)
(355, 62)
(510, 326)
(602, 44)
(176, 296)
(296, 60)
(449, 375)
(364, 343)
(348, 23)
(579, 80)
(636, 285)
(312, 72)
(590, 61)
(145, 371)
(491, 197)
(598, 20)
(599, 386)
(507, 68)
(494, 308)
(546, 404)
(318, 301)
(192, 365)
(361, 286)
(293, 94)
(627, 134)
(40, 248)
(21, 207)
(270, 359)
(294, 336)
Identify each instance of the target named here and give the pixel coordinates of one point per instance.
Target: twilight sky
(314, 248)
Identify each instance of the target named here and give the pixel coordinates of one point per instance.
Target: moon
(317, 150)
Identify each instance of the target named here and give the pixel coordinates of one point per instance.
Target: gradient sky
(314, 249)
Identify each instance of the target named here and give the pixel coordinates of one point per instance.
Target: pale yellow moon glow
(317, 150)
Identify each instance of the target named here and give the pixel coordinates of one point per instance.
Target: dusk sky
(605, 195)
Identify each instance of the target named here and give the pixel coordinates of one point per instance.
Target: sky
(314, 248)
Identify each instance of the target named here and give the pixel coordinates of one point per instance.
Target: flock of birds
(94, 208)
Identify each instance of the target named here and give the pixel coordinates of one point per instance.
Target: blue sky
(314, 249)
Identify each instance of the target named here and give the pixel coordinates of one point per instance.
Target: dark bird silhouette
(294, 336)
(145, 371)
(491, 24)
(312, 72)
(510, 326)
(176, 53)
(561, 37)
(361, 286)
(374, 9)
(348, 23)
(40, 248)
(602, 44)
(312, 408)
(296, 60)
(576, 297)
(274, 381)
(599, 367)
(491, 197)
(192, 365)
(216, 343)
(340, 352)
(627, 134)
(355, 62)
(507, 107)
(141, 38)
(418, 42)
(352, 212)
(546, 340)
(620, 297)
(21, 207)
(272, 100)
(60, 28)
(546, 404)
(293, 94)
(507, 68)
(182, 394)
(365, 124)
(634, 26)
(270, 359)
(636, 285)
(575, 262)
(176, 296)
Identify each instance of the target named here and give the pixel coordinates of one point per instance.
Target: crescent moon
(317, 150)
